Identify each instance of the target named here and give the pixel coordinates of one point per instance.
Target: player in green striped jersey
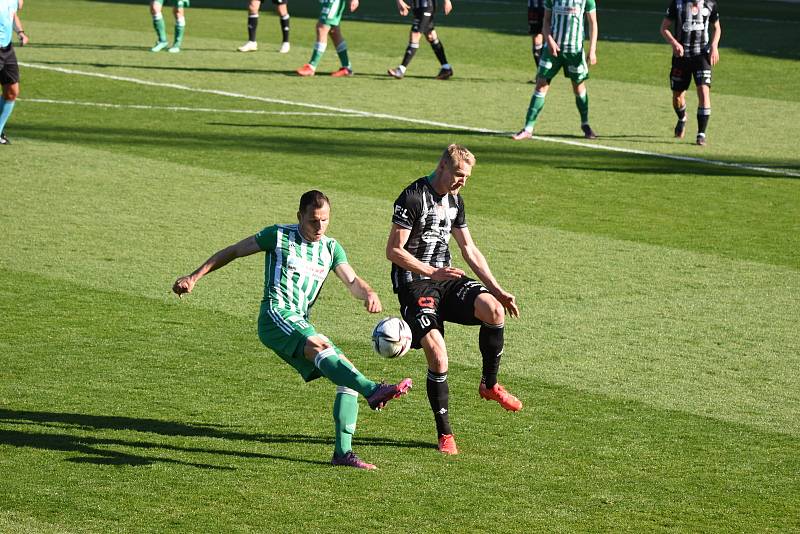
(298, 259)
(563, 32)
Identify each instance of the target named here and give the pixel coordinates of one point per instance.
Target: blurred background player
(330, 18)
(431, 291)
(9, 67)
(423, 11)
(161, 32)
(686, 27)
(562, 29)
(298, 259)
(282, 9)
(535, 19)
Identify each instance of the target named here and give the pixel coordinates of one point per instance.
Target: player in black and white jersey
(535, 18)
(695, 51)
(431, 291)
(423, 11)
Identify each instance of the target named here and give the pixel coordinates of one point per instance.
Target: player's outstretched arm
(23, 37)
(477, 262)
(448, 7)
(666, 33)
(359, 288)
(715, 43)
(402, 8)
(397, 254)
(245, 247)
(353, 5)
(593, 33)
(546, 35)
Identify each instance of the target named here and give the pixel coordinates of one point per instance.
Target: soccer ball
(391, 337)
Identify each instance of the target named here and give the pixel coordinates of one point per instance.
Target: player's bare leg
(438, 389)
(491, 341)
(534, 108)
(582, 103)
(703, 112)
(679, 105)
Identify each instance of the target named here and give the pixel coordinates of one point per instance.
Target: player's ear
(299, 216)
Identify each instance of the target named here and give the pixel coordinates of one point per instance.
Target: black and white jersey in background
(423, 4)
(430, 217)
(535, 4)
(692, 20)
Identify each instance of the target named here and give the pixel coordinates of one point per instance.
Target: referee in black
(432, 292)
(9, 68)
(686, 28)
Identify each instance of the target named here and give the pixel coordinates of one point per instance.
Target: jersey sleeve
(407, 208)
(672, 11)
(338, 255)
(461, 215)
(590, 6)
(714, 17)
(267, 238)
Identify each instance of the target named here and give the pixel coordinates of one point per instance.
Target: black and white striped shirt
(431, 218)
(692, 19)
(424, 4)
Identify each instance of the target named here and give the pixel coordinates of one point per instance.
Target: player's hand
(402, 7)
(714, 55)
(353, 5)
(448, 7)
(508, 301)
(551, 44)
(592, 57)
(184, 284)
(372, 303)
(23, 38)
(447, 273)
(677, 49)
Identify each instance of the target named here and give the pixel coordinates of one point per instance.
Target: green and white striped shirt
(295, 269)
(566, 22)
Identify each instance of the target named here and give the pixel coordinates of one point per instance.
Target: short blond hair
(454, 154)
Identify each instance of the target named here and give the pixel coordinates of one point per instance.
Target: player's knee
(11, 91)
(317, 344)
(489, 310)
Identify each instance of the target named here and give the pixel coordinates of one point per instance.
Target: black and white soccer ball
(391, 337)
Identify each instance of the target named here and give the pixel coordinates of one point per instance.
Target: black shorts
(423, 20)
(426, 304)
(9, 68)
(535, 19)
(279, 2)
(686, 68)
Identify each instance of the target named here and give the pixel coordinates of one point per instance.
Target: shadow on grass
(96, 449)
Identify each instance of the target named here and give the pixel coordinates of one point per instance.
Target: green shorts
(574, 66)
(178, 3)
(285, 333)
(332, 11)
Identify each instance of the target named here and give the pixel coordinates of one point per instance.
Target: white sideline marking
(595, 146)
(182, 108)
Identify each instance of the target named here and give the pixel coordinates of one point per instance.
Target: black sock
(537, 53)
(409, 55)
(438, 396)
(438, 49)
(681, 112)
(284, 21)
(490, 341)
(702, 119)
(252, 26)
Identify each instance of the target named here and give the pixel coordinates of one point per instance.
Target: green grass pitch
(658, 351)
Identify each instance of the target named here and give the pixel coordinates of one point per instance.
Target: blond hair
(454, 154)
